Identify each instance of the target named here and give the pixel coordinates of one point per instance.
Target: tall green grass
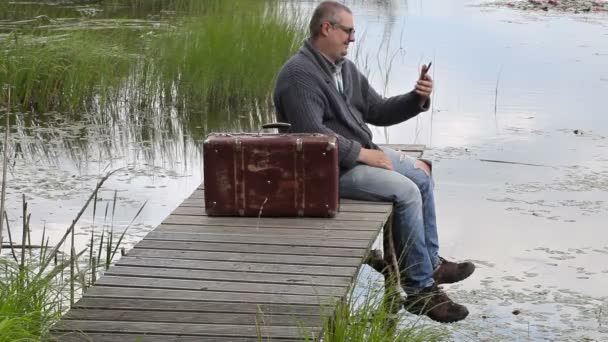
(220, 60)
(225, 62)
(366, 315)
(31, 299)
(140, 7)
(66, 72)
(36, 288)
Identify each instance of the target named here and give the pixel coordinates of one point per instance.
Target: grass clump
(367, 317)
(37, 287)
(226, 60)
(220, 59)
(65, 72)
(30, 302)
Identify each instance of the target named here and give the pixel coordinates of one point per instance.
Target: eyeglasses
(350, 31)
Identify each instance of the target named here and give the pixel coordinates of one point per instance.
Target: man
(319, 91)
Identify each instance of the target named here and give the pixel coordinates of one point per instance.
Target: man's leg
(419, 172)
(375, 184)
(423, 296)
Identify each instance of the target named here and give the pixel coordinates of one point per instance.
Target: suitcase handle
(278, 125)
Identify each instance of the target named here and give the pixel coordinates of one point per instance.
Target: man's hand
(375, 158)
(424, 86)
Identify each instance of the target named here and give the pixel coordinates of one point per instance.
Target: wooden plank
(365, 203)
(235, 277)
(270, 232)
(243, 257)
(220, 286)
(235, 317)
(99, 291)
(238, 266)
(116, 337)
(207, 330)
(405, 147)
(284, 241)
(281, 222)
(191, 306)
(251, 248)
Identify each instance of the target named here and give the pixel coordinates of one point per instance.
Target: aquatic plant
(218, 61)
(366, 315)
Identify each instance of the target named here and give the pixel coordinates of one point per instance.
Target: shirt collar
(333, 66)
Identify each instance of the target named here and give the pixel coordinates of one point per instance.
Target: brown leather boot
(434, 303)
(449, 272)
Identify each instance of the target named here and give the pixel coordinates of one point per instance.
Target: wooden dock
(200, 278)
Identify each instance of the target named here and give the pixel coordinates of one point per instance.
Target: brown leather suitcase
(248, 174)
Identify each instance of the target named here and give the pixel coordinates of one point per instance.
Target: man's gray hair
(326, 11)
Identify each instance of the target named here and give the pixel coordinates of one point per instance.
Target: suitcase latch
(332, 144)
(299, 145)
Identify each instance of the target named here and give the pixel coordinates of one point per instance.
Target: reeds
(496, 98)
(366, 316)
(7, 128)
(65, 72)
(220, 60)
(32, 292)
(223, 65)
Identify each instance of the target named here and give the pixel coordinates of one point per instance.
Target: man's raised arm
(396, 109)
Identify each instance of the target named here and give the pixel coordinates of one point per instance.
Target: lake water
(517, 132)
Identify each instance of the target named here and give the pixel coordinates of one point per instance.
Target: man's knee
(407, 193)
(423, 165)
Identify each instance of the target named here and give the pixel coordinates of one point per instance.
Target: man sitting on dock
(320, 91)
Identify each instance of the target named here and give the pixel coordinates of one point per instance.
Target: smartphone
(425, 71)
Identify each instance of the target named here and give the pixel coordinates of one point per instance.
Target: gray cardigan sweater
(305, 96)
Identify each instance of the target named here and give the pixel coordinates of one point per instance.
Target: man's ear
(325, 29)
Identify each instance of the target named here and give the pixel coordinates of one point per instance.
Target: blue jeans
(414, 224)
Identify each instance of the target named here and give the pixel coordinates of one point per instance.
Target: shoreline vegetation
(39, 282)
(212, 62)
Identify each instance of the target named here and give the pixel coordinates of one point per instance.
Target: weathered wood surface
(200, 278)
(148, 337)
(414, 150)
(205, 331)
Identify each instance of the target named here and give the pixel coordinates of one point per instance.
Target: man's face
(341, 34)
